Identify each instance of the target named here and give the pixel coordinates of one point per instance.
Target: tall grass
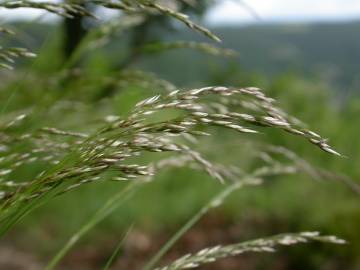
(160, 131)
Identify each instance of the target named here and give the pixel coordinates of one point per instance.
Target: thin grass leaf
(117, 250)
(109, 207)
(216, 201)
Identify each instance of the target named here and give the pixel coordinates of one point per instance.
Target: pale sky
(232, 11)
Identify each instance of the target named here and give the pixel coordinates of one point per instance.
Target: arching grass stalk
(110, 206)
(216, 201)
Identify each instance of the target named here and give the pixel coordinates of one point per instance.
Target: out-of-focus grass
(295, 202)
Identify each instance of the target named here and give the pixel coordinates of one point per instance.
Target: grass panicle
(212, 254)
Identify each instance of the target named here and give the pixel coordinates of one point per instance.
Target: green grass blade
(214, 202)
(117, 250)
(110, 206)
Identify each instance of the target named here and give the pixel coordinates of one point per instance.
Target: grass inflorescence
(159, 132)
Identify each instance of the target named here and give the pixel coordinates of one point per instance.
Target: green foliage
(83, 140)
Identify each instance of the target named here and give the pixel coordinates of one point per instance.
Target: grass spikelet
(209, 255)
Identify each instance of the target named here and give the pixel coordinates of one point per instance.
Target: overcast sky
(232, 11)
(289, 10)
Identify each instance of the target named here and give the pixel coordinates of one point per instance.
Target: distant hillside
(328, 51)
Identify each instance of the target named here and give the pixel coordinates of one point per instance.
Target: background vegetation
(311, 70)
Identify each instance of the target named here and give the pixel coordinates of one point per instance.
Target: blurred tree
(75, 28)
(74, 32)
(150, 29)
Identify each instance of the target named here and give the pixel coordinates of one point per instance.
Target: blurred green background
(311, 69)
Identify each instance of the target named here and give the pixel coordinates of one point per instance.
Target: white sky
(231, 11)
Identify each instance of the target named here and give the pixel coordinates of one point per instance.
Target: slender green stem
(214, 202)
(117, 250)
(110, 206)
